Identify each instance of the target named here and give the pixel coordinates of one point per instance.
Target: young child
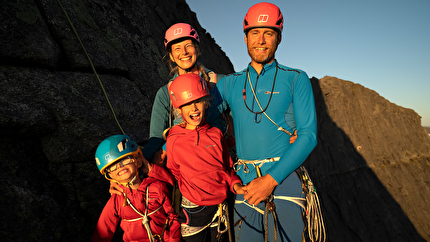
(199, 159)
(144, 208)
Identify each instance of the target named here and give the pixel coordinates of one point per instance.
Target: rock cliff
(371, 164)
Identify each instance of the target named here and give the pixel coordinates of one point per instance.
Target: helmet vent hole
(122, 145)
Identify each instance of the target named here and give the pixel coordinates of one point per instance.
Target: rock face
(371, 164)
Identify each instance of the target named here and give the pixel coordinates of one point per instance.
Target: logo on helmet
(177, 31)
(263, 18)
(189, 95)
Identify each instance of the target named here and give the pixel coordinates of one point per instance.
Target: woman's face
(184, 54)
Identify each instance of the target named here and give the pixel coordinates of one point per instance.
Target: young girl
(199, 159)
(144, 208)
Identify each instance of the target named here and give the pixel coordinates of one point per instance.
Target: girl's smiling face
(125, 170)
(193, 113)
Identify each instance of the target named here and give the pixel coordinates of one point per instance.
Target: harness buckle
(270, 204)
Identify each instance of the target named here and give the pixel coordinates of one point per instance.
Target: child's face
(125, 169)
(193, 113)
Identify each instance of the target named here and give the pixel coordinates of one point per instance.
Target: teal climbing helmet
(115, 148)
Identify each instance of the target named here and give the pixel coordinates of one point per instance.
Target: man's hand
(115, 188)
(259, 189)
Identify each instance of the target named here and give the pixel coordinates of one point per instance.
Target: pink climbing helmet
(178, 31)
(263, 15)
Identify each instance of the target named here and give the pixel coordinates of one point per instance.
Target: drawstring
(128, 184)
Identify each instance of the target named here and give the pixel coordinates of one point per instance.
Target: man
(269, 103)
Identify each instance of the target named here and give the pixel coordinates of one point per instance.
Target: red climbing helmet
(187, 88)
(178, 31)
(263, 15)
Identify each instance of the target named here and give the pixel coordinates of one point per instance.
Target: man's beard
(262, 59)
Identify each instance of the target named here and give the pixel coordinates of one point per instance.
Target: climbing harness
(91, 64)
(269, 204)
(270, 208)
(187, 230)
(220, 220)
(258, 102)
(255, 163)
(314, 223)
(145, 217)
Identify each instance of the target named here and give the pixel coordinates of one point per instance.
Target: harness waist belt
(258, 161)
(255, 163)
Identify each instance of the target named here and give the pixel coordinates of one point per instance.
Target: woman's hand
(115, 188)
(294, 137)
(159, 158)
(146, 166)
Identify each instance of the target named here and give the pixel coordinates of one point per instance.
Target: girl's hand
(239, 189)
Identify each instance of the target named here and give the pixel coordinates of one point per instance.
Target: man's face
(262, 44)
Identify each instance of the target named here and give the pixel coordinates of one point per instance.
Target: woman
(182, 44)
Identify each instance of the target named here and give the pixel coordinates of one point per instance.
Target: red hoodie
(200, 161)
(114, 211)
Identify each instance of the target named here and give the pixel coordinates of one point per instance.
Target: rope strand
(91, 64)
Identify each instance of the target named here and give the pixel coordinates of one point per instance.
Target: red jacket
(114, 211)
(200, 161)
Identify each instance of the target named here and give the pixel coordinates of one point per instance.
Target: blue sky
(383, 45)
